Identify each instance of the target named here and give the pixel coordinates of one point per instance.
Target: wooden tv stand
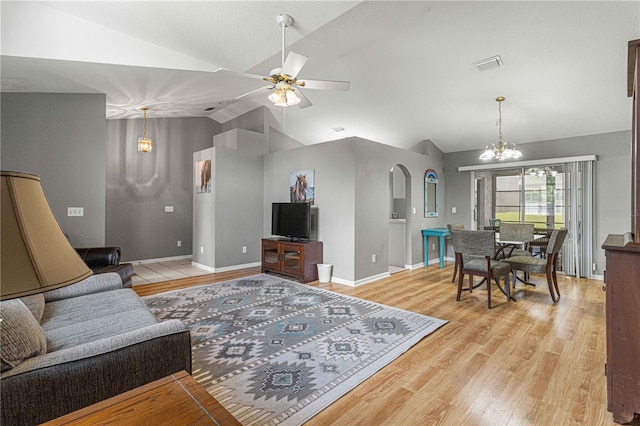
(297, 259)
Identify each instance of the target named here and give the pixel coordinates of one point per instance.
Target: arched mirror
(430, 193)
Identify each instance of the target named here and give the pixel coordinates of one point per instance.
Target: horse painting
(299, 189)
(205, 176)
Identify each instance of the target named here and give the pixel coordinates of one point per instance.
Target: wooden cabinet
(622, 281)
(294, 258)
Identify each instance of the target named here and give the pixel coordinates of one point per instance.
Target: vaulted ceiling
(410, 63)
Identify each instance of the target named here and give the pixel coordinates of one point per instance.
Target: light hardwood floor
(531, 362)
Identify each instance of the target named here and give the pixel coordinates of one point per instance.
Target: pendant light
(502, 150)
(144, 143)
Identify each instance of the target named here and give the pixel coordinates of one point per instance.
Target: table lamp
(36, 256)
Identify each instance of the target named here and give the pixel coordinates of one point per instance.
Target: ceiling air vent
(338, 129)
(210, 109)
(488, 64)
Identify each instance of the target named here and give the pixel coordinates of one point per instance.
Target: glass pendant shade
(144, 145)
(284, 96)
(36, 255)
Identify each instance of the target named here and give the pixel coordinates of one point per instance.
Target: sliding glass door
(530, 196)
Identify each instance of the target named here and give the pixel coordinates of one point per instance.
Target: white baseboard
(360, 282)
(160, 259)
(226, 268)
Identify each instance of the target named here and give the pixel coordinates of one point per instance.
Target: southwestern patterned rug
(273, 351)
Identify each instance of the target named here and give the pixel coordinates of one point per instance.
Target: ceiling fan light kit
(501, 150)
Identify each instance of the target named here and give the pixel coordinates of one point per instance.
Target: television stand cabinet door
(297, 259)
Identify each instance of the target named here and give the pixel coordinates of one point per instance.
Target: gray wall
(612, 175)
(140, 185)
(352, 200)
(61, 137)
(238, 207)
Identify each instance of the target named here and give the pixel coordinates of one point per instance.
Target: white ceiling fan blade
(304, 101)
(223, 71)
(326, 84)
(294, 64)
(259, 91)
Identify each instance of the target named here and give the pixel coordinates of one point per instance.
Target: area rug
(273, 351)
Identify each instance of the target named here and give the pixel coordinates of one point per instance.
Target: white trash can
(324, 272)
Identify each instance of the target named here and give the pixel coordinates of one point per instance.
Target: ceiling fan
(284, 87)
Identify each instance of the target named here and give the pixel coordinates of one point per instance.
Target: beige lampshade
(36, 256)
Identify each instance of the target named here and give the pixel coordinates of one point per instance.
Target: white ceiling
(410, 63)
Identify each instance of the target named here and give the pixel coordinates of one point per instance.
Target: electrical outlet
(433, 246)
(453, 210)
(374, 258)
(168, 209)
(414, 210)
(179, 243)
(594, 267)
(201, 249)
(244, 249)
(75, 211)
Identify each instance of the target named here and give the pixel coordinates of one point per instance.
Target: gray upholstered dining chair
(515, 232)
(546, 266)
(474, 253)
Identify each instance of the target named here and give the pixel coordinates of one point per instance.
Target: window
(520, 197)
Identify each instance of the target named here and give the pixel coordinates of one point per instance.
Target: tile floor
(147, 273)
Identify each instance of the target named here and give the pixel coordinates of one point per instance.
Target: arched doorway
(399, 218)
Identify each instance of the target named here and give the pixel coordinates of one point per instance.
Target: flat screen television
(291, 220)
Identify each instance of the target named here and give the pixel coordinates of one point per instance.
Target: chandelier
(144, 143)
(503, 150)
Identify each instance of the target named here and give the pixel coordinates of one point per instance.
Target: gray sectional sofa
(71, 347)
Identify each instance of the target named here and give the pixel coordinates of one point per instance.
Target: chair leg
(550, 284)
(489, 292)
(455, 270)
(460, 278)
(470, 283)
(555, 282)
(506, 286)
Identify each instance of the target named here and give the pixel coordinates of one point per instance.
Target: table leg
(426, 250)
(441, 252)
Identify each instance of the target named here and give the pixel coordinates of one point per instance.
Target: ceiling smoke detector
(488, 63)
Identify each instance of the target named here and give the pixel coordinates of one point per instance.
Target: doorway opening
(399, 219)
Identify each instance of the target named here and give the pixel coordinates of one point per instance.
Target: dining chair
(546, 266)
(474, 252)
(495, 222)
(539, 245)
(515, 232)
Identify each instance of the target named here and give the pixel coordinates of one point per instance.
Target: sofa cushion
(84, 319)
(35, 303)
(21, 336)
